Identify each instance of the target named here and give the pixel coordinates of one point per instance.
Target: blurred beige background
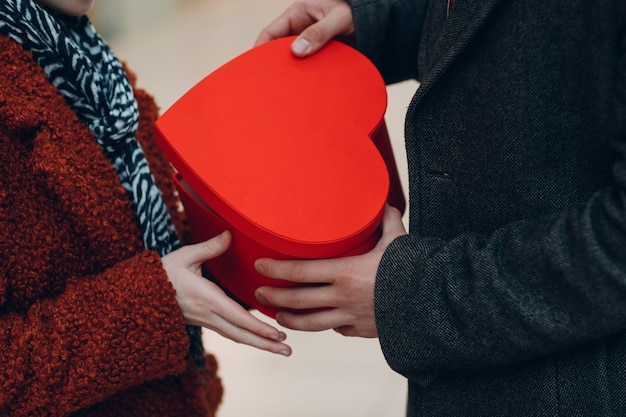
(173, 44)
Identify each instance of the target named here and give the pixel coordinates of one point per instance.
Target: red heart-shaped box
(279, 150)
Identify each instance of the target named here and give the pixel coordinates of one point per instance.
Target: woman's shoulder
(19, 70)
(25, 91)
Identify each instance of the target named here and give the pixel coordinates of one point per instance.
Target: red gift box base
(234, 270)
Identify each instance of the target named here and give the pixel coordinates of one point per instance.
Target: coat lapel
(466, 17)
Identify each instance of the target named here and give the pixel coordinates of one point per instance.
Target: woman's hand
(204, 304)
(344, 301)
(316, 21)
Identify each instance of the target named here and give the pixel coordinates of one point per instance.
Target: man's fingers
(392, 227)
(291, 22)
(337, 22)
(296, 298)
(298, 271)
(392, 220)
(311, 322)
(316, 25)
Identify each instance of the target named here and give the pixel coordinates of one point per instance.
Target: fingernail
(222, 236)
(280, 337)
(284, 352)
(259, 267)
(300, 46)
(260, 298)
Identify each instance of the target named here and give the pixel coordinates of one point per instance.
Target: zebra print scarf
(85, 71)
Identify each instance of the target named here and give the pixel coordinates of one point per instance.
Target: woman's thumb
(209, 249)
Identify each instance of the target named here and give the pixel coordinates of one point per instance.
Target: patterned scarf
(79, 63)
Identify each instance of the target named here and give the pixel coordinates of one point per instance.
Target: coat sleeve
(528, 289)
(101, 335)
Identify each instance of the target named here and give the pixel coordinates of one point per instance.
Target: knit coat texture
(89, 323)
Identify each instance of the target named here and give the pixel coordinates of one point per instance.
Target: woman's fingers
(204, 304)
(223, 315)
(251, 331)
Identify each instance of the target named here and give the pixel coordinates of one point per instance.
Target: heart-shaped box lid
(280, 147)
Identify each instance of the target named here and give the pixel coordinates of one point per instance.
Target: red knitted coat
(89, 325)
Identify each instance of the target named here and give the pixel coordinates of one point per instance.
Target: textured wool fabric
(507, 297)
(89, 324)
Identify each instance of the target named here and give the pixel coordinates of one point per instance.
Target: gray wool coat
(508, 297)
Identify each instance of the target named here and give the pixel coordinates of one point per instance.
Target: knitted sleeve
(93, 340)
